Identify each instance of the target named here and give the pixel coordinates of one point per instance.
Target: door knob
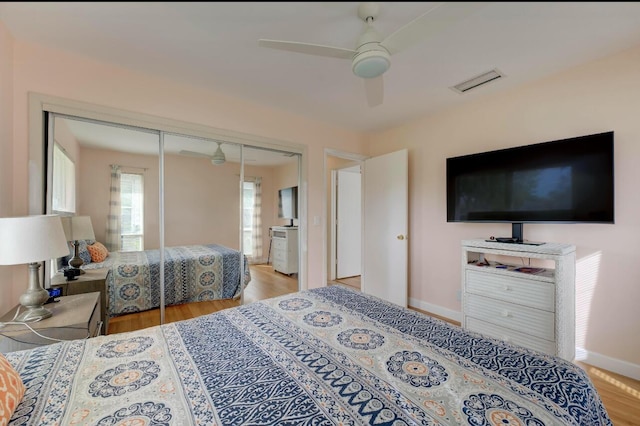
(400, 237)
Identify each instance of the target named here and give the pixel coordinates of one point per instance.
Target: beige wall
(597, 97)
(56, 73)
(9, 293)
(201, 200)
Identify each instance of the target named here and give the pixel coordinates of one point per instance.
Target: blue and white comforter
(327, 356)
(191, 274)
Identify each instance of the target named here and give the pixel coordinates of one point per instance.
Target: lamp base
(34, 298)
(76, 261)
(33, 314)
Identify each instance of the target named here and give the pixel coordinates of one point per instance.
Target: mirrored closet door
(189, 224)
(107, 177)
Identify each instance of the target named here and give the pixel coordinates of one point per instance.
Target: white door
(349, 224)
(386, 224)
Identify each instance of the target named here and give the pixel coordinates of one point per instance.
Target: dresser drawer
(279, 255)
(527, 320)
(536, 294)
(279, 264)
(279, 244)
(511, 336)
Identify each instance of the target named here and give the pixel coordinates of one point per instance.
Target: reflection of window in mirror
(132, 212)
(63, 192)
(248, 203)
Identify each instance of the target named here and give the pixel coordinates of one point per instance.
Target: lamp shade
(78, 228)
(30, 239)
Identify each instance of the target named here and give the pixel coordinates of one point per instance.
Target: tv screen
(564, 181)
(288, 203)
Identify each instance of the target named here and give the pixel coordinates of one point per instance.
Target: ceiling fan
(217, 158)
(371, 57)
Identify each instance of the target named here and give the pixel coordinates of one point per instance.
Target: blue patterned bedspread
(327, 356)
(191, 274)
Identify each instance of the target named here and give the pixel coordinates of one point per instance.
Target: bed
(326, 356)
(191, 274)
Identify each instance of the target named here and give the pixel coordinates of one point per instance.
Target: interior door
(385, 227)
(349, 226)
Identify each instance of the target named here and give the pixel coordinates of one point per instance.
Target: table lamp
(77, 228)
(32, 239)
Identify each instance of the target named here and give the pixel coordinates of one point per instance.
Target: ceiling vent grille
(477, 81)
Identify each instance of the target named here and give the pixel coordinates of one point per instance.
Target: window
(132, 212)
(248, 202)
(63, 192)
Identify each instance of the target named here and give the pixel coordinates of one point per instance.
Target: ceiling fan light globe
(371, 64)
(216, 161)
(218, 157)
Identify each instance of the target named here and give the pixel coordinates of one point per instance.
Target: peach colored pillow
(11, 390)
(98, 252)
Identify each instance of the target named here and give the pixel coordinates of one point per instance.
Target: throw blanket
(327, 356)
(191, 274)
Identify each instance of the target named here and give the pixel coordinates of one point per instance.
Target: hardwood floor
(620, 395)
(265, 283)
(350, 281)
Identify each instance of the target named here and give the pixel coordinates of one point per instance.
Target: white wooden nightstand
(74, 317)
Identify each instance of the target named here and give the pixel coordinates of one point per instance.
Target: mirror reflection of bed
(201, 216)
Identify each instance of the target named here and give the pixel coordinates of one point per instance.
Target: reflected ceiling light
(218, 157)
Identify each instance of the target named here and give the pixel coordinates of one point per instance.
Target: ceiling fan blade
(194, 154)
(374, 88)
(309, 49)
(429, 24)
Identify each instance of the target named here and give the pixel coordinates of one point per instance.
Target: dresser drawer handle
(506, 288)
(506, 313)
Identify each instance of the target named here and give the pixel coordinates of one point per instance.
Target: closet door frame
(39, 105)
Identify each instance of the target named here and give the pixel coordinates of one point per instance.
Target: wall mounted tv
(288, 203)
(563, 181)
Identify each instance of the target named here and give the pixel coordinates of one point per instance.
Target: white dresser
(525, 295)
(284, 240)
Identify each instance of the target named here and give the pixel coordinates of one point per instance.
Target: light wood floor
(620, 394)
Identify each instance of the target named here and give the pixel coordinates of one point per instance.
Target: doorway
(384, 222)
(346, 219)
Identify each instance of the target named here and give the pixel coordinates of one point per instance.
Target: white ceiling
(214, 45)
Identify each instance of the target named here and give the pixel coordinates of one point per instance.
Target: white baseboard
(614, 365)
(435, 309)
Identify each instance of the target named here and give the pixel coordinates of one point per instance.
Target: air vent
(474, 82)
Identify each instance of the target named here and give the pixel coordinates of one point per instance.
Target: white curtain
(113, 219)
(256, 232)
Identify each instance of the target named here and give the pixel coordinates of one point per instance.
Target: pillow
(98, 252)
(11, 390)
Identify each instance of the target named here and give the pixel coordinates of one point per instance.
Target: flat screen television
(288, 204)
(563, 181)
